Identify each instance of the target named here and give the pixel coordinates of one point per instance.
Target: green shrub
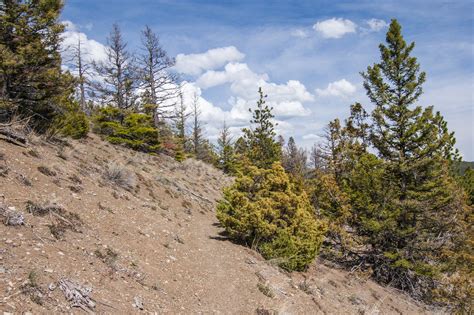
(264, 210)
(74, 124)
(179, 155)
(133, 130)
(70, 120)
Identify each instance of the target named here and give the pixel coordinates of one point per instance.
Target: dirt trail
(148, 242)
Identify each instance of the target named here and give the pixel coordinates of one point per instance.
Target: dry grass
(24, 180)
(109, 256)
(46, 171)
(266, 290)
(32, 289)
(305, 287)
(120, 176)
(33, 153)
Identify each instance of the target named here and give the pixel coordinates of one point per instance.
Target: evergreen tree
(294, 159)
(412, 225)
(198, 148)
(316, 158)
(207, 152)
(262, 149)
(130, 129)
(332, 149)
(31, 82)
(467, 182)
(331, 203)
(240, 147)
(357, 129)
(180, 117)
(225, 151)
(264, 210)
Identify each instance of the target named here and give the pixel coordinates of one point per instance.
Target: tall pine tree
(420, 220)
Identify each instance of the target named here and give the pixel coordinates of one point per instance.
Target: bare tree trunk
(118, 72)
(158, 83)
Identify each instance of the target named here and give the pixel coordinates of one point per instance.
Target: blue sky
(306, 54)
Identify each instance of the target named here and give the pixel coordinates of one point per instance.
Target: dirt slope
(145, 237)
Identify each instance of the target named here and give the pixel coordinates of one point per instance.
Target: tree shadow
(221, 236)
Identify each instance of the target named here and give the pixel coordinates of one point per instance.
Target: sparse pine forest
(383, 194)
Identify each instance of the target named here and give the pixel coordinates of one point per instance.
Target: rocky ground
(91, 227)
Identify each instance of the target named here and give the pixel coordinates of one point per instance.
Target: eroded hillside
(116, 231)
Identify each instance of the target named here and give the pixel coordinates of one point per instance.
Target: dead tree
(82, 69)
(158, 83)
(117, 83)
(197, 126)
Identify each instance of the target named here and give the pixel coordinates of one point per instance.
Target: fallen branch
(77, 295)
(61, 218)
(12, 136)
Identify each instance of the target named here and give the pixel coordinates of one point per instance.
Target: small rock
(51, 286)
(48, 270)
(138, 303)
(250, 261)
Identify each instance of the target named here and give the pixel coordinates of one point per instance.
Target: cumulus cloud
(243, 80)
(91, 49)
(376, 25)
(286, 99)
(195, 64)
(341, 88)
(335, 27)
(233, 72)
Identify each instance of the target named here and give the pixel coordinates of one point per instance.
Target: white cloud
(300, 33)
(286, 99)
(91, 49)
(243, 80)
(286, 109)
(233, 72)
(335, 27)
(341, 88)
(376, 25)
(209, 112)
(283, 127)
(195, 64)
(292, 90)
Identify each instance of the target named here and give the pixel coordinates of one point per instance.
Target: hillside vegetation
(129, 225)
(108, 182)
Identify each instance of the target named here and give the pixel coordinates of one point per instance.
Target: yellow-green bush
(75, 125)
(70, 121)
(264, 210)
(133, 130)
